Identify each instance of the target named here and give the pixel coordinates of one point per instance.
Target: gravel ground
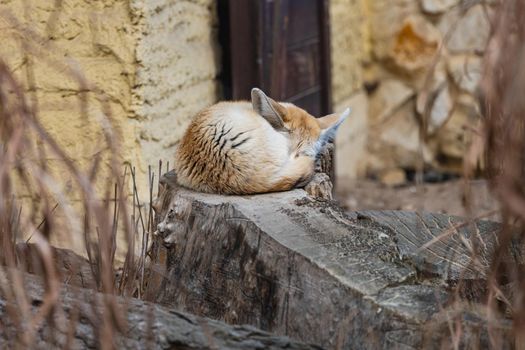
(445, 197)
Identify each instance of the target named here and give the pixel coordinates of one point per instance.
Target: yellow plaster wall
(350, 47)
(93, 38)
(50, 44)
(178, 65)
(350, 42)
(150, 66)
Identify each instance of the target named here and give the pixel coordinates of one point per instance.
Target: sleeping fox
(248, 148)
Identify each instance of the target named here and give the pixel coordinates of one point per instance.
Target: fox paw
(320, 187)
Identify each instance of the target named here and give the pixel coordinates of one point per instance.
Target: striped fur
(243, 148)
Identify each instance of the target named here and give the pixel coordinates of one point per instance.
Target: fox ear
(333, 120)
(329, 125)
(270, 110)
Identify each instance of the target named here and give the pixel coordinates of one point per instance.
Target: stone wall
(424, 70)
(407, 68)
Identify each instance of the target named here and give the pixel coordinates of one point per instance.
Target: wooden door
(281, 46)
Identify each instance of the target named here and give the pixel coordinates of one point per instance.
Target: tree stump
(295, 266)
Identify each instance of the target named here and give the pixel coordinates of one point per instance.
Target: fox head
(307, 133)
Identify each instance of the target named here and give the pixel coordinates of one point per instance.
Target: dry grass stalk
(499, 144)
(99, 219)
(103, 215)
(504, 111)
(498, 147)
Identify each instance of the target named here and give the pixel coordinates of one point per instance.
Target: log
(290, 264)
(146, 326)
(72, 269)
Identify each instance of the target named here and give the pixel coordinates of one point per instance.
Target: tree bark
(80, 313)
(290, 264)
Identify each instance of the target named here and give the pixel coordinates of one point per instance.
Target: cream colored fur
(246, 148)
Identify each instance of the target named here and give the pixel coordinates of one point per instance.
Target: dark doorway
(281, 46)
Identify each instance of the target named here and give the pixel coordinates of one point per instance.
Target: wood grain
(292, 265)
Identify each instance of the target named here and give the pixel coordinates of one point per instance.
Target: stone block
(469, 31)
(437, 6)
(389, 96)
(465, 71)
(415, 45)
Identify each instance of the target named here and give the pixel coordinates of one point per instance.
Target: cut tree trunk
(77, 322)
(290, 264)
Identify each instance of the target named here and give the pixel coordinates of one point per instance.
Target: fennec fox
(243, 148)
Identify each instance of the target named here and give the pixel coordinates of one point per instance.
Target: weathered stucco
(153, 63)
(93, 38)
(350, 51)
(49, 45)
(178, 64)
(350, 47)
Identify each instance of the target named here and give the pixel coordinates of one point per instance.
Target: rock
(470, 31)
(454, 138)
(386, 20)
(465, 71)
(389, 96)
(393, 177)
(396, 143)
(351, 139)
(440, 111)
(434, 7)
(427, 90)
(415, 45)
